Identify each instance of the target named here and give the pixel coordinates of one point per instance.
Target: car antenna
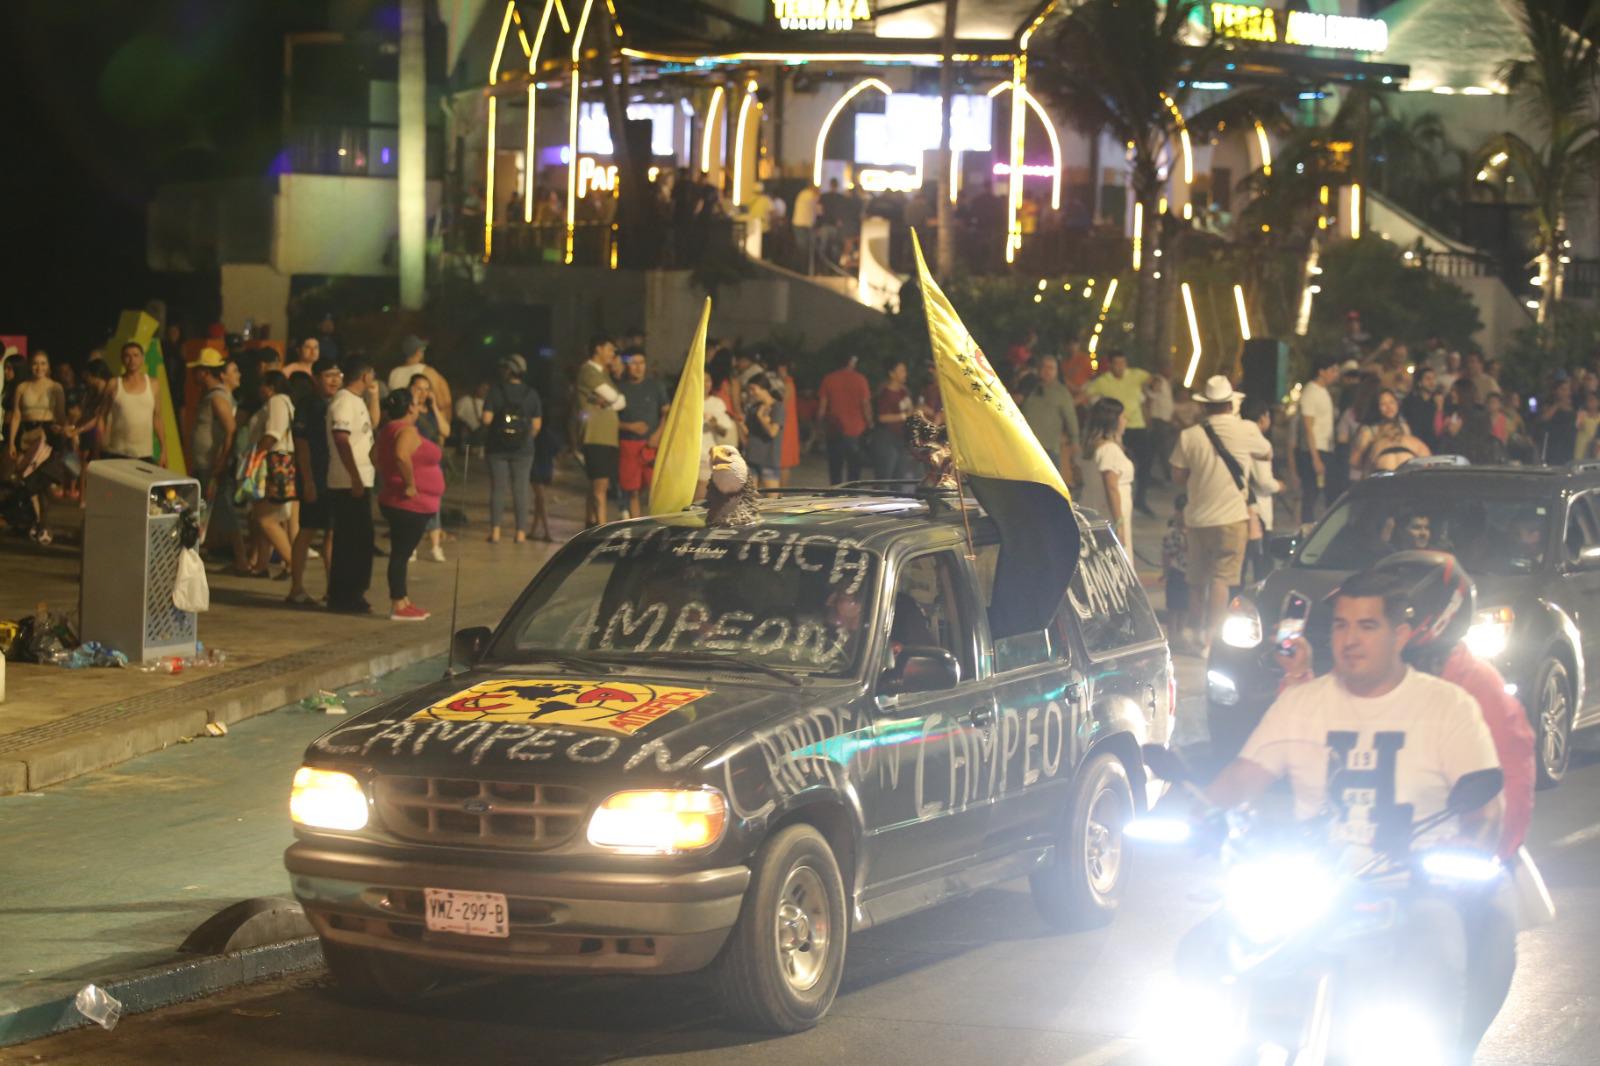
(455, 601)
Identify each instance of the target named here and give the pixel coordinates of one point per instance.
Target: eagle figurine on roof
(732, 492)
(929, 444)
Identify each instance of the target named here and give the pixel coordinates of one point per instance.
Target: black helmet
(1441, 597)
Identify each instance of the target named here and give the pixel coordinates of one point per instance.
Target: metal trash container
(133, 515)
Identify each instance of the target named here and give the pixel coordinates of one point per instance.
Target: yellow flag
(998, 456)
(678, 458)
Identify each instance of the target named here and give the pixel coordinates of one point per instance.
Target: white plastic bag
(191, 592)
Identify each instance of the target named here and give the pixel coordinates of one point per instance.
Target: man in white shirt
(1218, 515)
(413, 352)
(469, 417)
(1315, 454)
(350, 475)
(1391, 742)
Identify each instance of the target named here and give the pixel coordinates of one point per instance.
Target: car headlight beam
(1279, 895)
(1490, 634)
(659, 821)
(1241, 626)
(327, 799)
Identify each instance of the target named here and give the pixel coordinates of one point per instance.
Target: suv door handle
(981, 717)
(1074, 690)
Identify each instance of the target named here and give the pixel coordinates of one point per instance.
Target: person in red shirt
(844, 412)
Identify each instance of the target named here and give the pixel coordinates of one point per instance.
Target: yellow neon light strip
(1355, 211)
(529, 166)
(500, 43)
(1244, 317)
(1266, 149)
(1111, 293)
(1194, 334)
(833, 113)
(561, 13)
(527, 50)
(1138, 234)
(710, 130)
(738, 142)
(1183, 137)
(1019, 85)
(488, 195)
(572, 130)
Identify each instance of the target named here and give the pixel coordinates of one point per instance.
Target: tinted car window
(928, 608)
(1489, 536)
(1022, 649)
(1107, 599)
(803, 603)
(1583, 526)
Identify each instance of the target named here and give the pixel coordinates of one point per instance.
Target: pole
(961, 502)
(413, 162)
(945, 254)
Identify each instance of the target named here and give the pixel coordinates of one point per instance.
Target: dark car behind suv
(733, 747)
(1528, 536)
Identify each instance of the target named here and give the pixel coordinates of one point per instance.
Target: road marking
(1110, 1050)
(1582, 836)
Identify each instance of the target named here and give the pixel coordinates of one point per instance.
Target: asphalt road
(976, 981)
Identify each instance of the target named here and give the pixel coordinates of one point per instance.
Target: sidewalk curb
(95, 747)
(176, 982)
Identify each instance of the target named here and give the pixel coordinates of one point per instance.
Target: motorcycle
(1302, 963)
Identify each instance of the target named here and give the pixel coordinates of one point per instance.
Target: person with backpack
(512, 416)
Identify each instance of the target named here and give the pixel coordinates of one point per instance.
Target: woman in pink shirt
(410, 486)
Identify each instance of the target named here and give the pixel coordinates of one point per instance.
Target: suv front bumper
(567, 922)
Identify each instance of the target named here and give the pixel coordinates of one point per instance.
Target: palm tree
(1126, 67)
(1555, 89)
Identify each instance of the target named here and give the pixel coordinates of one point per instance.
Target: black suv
(1530, 538)
(734, 747)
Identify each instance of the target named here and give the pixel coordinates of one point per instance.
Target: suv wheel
(1081, 889)
(378, 978)
(1552, 722)
(781, 966)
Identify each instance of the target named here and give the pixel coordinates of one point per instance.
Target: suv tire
(780, 968)
(1081, 888)
(1551, 711)
(378, 978)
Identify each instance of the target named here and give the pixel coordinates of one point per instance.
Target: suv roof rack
(1584, 466)
(1432, 462)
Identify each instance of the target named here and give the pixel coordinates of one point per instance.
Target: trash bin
(132, 524)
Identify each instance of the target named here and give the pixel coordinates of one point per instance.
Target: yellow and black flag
(1010, 474)
(678, 457)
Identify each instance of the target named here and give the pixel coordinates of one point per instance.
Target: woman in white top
(1105, 471)
(130, 412)
(275, 514)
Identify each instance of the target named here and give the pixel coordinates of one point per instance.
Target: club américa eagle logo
(615, 706)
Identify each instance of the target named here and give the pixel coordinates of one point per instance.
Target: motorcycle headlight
(1241, 626)
(1490, 634)
(1158, 830)
(1275, 897)
(327, 799)
(1461, 866)
(659, 822)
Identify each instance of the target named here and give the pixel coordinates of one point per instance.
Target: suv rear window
(1111, 607)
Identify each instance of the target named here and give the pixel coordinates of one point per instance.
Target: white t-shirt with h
(1395, 756)
(347, 413)
(1317, 401)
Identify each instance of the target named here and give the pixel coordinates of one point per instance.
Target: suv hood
(553, 725)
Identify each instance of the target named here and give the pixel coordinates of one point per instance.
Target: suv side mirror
(470, 643)
(1282, 546)
(1589, 558)
(920, 668)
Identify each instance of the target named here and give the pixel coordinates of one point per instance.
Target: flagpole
(961, 502)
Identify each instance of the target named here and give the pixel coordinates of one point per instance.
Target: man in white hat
(1212, 462)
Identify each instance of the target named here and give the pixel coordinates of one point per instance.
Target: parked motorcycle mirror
(1166, 764)
(1473, 790)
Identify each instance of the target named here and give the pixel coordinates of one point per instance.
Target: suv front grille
(495, 814)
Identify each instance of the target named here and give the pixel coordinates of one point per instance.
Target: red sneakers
(409, 613)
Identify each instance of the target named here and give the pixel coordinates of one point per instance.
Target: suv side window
(1021, 650)
(1583, 526)
(930, 609)
(1111, 607)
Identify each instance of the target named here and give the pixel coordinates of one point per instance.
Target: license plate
(473, 913)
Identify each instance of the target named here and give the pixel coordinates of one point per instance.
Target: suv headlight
(1241, 626)
(1490, 634)
(659, 822)
(327, 799)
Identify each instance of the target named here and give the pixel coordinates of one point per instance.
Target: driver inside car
(1392, 741)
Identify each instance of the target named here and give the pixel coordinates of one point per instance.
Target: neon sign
(1303, 29)
(832, 16)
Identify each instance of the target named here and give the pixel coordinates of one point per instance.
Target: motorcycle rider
(1443, 597)
(1398, 740)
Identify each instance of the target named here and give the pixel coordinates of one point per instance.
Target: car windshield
(792, 601)
(1488, 536)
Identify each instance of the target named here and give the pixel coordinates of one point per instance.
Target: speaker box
(1265, 369)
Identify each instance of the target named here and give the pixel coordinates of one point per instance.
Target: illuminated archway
(1050, 131)
(833, 113)
(745, 105)
(511, 18)
(576, 86)
(529, 168)
(709, 133)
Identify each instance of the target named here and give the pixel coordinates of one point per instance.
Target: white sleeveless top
(133, 430)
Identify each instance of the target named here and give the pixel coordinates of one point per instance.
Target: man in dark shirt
(638, 427)
(1421, 405)
(311, 463)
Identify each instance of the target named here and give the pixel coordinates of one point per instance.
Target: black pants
(1143, 454)
(1309, 492)
(406, 529)
(350, 569)
(845, 455)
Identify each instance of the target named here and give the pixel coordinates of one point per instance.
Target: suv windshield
(792, 601)
(1488, 536)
